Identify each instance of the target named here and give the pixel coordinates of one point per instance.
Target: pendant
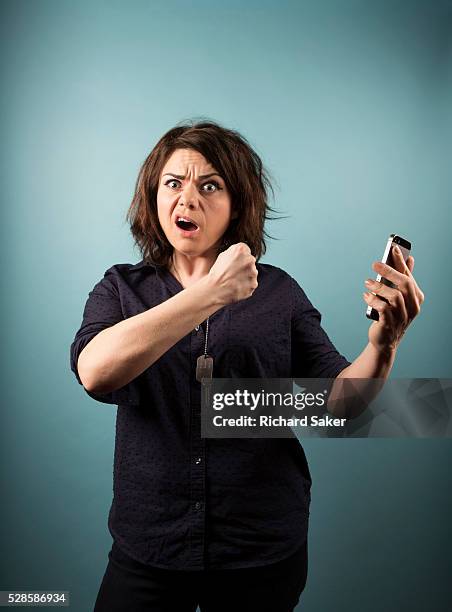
(204, 367)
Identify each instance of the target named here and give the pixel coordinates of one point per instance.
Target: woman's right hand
(234, 273)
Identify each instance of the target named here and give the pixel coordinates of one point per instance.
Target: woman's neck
(189, 270)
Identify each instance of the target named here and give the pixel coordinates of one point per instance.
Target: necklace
(204, 363)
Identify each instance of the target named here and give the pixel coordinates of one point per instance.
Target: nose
(189, 196)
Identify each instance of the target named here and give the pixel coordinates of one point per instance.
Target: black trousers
(130, 586)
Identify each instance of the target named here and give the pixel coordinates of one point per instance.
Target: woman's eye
(215, 184)
(173, 183)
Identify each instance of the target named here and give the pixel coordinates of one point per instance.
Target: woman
(217, 522)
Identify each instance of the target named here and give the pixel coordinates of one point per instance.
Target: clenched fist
(234, 273)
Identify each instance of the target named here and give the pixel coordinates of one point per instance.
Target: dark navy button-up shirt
(189, 503)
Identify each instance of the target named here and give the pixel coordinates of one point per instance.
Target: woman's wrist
(210, 293)
(383, 353)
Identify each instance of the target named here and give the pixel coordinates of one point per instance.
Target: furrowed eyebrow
(202, 176)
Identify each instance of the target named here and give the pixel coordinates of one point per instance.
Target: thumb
(410, 263)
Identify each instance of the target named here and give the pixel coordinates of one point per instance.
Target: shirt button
(198, 460)
(197, 328)
(198, 505)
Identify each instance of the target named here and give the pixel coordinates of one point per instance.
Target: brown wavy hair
(247, 180)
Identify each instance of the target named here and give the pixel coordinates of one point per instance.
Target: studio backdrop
(348, 105)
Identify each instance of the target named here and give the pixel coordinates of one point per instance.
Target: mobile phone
(405, 247)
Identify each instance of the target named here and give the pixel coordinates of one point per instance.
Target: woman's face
(191, 188)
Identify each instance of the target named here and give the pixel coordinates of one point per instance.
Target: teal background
(348, 103)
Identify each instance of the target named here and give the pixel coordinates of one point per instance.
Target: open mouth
(186, 224)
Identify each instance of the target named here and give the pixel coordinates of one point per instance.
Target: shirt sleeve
(313, 353)
(102, 310)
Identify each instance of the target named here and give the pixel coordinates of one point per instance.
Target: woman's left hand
(404, 302)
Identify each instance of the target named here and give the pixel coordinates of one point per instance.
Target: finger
(383, 308)
(399, 264)
(409, 266)
(418, 291)
(399, 261)
(413, 298)
(398, 278)
(411, 295)
(404, 281)
(393, 296)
